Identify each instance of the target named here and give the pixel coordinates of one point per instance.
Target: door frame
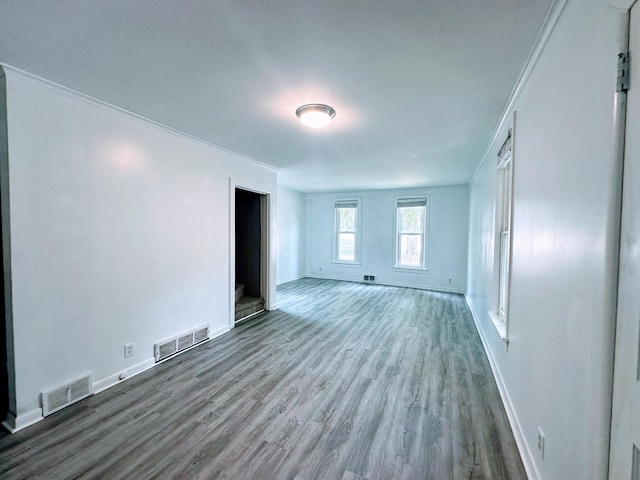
(8, 412)
(267, 246)
(626, 279)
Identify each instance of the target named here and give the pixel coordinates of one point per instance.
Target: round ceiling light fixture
(315, 115)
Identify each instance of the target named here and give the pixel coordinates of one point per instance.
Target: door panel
(625, 426)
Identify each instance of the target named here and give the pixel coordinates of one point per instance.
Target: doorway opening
(250, 253)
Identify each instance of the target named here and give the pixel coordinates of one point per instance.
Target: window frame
(424, 263)
(503, 239)
(337, 202)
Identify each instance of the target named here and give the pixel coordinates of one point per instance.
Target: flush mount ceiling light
(315, 115)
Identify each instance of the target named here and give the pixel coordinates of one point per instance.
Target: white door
(624, 463)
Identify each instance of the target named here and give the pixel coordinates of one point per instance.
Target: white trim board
(518, 433)
(22, 421)
(114, 379)
(14, 423)
(621, 4)
(291, 279)
(102, 104)
(544, 34)
(295, 192)
(146, 364)
(386, 284)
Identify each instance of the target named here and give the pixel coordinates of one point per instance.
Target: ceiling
(418, 85)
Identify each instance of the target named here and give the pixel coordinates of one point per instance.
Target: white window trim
(501, 326)
(503, 226)
(425, 238)
(358, 233)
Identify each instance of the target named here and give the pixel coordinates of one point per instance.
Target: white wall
(447, 238)
(119, 234)
(291, 236)
(555, 373)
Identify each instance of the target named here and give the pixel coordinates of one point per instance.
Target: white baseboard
(14, 423)
(523, 447)
(435, 288)
(114, 379)
(290, 279)
(218, 332)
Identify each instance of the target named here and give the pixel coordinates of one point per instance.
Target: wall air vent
(63, 396)
(171, 346)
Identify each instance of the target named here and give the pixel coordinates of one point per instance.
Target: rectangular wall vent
(176, 344)
(63, 396)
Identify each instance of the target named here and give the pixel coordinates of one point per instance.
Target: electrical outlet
(449, 280)
(128, 350)
(541, 442)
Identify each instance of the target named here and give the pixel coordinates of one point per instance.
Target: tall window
(503, 235)
(411, 220)
(505, 180)
(346, 231)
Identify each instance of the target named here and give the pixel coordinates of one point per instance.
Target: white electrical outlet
(541, 442)
(128, 350)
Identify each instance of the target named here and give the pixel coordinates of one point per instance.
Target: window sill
(410, 269)
(346, 264)
(501, 327)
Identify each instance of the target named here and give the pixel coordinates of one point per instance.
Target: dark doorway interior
(249, 298)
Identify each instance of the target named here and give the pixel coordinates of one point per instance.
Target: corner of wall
(7, 322)
(15, 423)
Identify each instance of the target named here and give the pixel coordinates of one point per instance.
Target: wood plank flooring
(345, 381)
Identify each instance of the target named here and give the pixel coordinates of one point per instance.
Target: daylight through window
(346, 230)
(499, 314)
(410, 239)
(505, 179)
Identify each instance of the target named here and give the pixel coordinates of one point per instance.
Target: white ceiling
(418, 85)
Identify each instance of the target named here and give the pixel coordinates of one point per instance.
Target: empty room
(333, 239)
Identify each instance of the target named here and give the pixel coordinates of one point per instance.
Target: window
(502, 249)
(411, 220)
(346, 231)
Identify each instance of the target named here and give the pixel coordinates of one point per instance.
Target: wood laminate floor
(345, 381)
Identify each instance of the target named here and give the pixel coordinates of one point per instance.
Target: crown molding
(550, 21)
(621, 4)
(56, 87)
